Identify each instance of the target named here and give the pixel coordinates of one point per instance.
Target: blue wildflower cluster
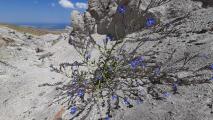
(81, 93)
(174, 87)
(139, 61)
(118, 76)
(107, 117)
(126, 102)
(114, 97)
(73, 110)
(109, 37)
(166, 94)
(211, 66)
(150, 22)
(121, 9)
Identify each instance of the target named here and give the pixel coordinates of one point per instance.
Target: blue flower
(150, 22)
(109, 37)
(166, 94)
(133, 64)
(73, 110)
(121, 9)
(174, 87)
(114, 97)
(140, 59)
(80, 93)
(211, 79)
(126, 102)
(107, 117)
(136, 62)
(211, 66)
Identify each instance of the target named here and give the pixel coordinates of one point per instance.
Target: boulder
(206, 3)
(77, 21)
(110, 21)
(89, 23)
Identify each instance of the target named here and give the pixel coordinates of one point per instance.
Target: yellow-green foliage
(31, 30)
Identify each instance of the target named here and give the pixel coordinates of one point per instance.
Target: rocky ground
(24, 65)
(27, 84)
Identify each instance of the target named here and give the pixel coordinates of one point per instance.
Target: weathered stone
(77, 21)
(109, 21)
(89, 22)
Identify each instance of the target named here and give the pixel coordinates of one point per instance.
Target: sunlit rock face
(131, 18)
(206, 3)
(89, 23)
(119, 17)
(77, 21)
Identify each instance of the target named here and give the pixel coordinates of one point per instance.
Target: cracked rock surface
(25, 61)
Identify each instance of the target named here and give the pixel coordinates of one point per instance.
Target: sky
(39, 11)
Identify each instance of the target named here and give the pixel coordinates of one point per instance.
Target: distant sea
(50, 26)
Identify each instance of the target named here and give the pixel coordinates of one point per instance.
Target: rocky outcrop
(89, 23)
(104, 15)
(77, 21)
(104, 18)
(110, 21)
(82, 22)
(206, 3)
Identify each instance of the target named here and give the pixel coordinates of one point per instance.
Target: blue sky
(39, 11)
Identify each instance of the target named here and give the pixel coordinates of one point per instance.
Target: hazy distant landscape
(37, 29)
(50, 26)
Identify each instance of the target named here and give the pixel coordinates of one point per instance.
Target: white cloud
(69, 4)
(81, 5)
(66, 4)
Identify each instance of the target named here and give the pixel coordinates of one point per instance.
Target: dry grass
(31, 30)
(5, 41)
(2, 43)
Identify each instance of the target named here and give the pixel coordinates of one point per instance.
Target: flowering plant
(119, 77)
